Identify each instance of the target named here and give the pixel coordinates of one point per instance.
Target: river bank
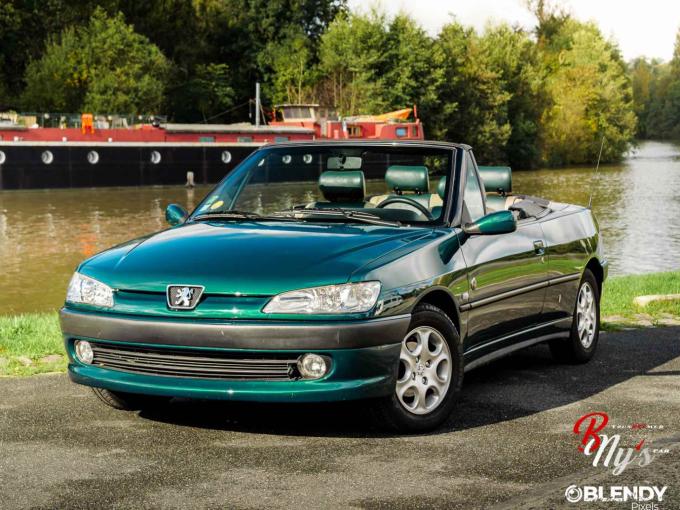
(32, 344)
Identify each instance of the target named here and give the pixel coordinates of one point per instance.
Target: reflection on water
(45, 234)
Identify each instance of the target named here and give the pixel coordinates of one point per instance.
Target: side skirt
(504, 351)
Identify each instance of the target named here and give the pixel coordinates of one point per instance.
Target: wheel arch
(444, 300)
(598, 272)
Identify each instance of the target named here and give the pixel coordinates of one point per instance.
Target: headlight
(331, 299)
(83, 289)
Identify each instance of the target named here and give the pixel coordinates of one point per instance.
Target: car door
(506, 275)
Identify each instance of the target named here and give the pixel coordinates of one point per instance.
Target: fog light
(84, 351)
(312, 366)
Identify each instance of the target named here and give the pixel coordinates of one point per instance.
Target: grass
(617, 300)
(30, 343)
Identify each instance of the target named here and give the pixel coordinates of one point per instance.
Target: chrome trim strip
(563, 279)
(518, 333)
(522, 290)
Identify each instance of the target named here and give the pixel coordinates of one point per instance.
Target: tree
(26, 26)
(514, 56)
(104, 66)
(591, 98)
(351, 57)
(290, 74)
(473, 103)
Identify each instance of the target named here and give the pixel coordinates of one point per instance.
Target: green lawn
(617, 300)
(29, 342)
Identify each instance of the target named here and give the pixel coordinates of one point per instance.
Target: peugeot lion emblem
(184, 297)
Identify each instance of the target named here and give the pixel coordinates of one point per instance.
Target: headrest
(441, 187)
(401, 178)
(343, 186)
(496, 178)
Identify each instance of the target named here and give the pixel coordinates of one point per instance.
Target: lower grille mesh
(188, 363)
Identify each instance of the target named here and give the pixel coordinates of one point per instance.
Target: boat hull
(30, 165)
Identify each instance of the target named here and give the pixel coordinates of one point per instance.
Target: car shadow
(525, 383)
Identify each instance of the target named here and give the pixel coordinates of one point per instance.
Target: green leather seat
(409, 181)
(342, 188)
(497, 182)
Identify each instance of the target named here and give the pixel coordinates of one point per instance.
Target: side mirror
(499, 222)
(175, 214)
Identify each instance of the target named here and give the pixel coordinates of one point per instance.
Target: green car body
(505, 284)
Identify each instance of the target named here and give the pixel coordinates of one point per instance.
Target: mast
(257, 104)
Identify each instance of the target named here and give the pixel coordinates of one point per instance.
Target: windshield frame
(450, 199)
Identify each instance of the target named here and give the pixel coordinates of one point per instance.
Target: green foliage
(351, 57)
(103, 66)
(656, 88)
(515, 58)
(474, 103)
(522, 98)
(591, 98)
(291, 75)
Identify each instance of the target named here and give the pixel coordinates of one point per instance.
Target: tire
(430, 412)
(581, 345)
(129, 401)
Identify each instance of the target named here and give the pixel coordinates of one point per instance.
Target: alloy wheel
(425, 368)
(586, 316)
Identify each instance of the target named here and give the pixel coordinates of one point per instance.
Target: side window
(473, 193)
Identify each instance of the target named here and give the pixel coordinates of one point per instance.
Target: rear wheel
(129, 401)
(585, 329)
(429, 375)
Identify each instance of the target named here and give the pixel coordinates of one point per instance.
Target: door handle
(539, 248)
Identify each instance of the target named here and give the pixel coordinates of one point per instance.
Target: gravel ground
(508, 445)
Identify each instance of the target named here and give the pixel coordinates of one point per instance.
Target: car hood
(247, 258)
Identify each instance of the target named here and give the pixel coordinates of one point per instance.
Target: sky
(641, 28)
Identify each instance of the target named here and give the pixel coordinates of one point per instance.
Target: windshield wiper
(337, 212)
(239, 215)
(226, 215)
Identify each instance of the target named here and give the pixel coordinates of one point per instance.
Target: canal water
(45, 234)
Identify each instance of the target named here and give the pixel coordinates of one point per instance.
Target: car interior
(407, 198)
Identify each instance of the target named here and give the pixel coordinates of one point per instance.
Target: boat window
(244, 139)
(401, 132)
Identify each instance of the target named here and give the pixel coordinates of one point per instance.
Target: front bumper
(364, 355)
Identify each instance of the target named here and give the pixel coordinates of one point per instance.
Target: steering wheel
(408, 201)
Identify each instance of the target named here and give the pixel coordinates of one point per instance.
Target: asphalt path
(509, 444)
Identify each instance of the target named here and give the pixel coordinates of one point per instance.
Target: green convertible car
(326, 271)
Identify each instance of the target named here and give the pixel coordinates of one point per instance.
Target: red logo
(595, 423)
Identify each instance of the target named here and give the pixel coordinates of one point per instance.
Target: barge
(98, 151)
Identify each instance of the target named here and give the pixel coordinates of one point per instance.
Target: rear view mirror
(175, 214)
(344, 163)
(499, 222)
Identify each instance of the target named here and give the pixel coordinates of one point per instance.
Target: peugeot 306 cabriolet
(326, 271)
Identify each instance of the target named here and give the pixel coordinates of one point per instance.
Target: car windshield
(360, 183)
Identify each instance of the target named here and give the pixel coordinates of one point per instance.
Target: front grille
(192, 363)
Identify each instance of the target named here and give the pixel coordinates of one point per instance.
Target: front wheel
(585, 330)
(429, 375)
(128, 401)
